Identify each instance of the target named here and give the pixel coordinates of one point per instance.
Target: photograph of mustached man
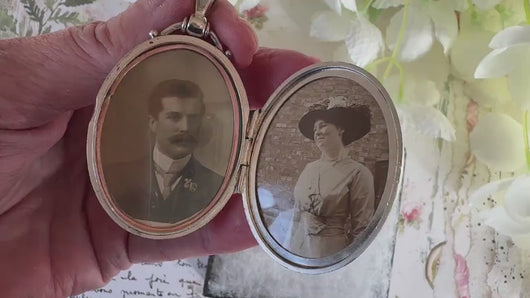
(170, 184)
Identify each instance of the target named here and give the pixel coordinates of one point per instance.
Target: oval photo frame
(325, 167)
(159, 115)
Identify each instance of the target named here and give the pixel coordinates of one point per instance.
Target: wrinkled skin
(55, 239)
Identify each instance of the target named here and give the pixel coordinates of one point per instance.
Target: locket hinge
(248, 148)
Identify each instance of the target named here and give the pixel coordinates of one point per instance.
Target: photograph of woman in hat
(334, 195)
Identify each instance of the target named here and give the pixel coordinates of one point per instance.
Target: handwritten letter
(181, 278)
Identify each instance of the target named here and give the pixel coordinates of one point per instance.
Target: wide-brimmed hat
(340, 111)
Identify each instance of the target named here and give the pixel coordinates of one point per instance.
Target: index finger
(32, 89)
(270, 68)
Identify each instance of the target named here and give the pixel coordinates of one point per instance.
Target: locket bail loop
(195, 25)
(202, 7)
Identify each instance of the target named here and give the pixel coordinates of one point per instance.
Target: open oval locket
(172, 138)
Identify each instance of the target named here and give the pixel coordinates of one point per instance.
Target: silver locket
(172, 138)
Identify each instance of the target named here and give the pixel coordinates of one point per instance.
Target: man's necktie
(169, 178)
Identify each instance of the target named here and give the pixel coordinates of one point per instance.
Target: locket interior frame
(240, 108)
(260, 124)
(250, 130)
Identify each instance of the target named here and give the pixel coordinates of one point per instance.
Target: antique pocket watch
(172, 138)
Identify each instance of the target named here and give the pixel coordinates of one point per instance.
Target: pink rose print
(257, 15)
(461, 276)
(410, 214)
(471, 115)
(256, 12)
(411, 211)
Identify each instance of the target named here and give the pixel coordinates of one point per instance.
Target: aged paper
(253, 273)
(181, 278)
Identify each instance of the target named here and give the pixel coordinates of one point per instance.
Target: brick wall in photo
(285, 151)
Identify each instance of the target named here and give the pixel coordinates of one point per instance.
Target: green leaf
(57, 13)
(66, 18)
(47, 29)
(486, 4)
(50, 4)
(7, 34)
(73, 3)
(7, 22)
(511, 12)
(374, 13)
(383, 4)
(34, 12)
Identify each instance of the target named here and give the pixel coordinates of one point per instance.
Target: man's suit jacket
(135, 190)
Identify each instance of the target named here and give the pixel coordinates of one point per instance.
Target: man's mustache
(182, 138)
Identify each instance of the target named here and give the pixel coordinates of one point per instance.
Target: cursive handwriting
(183, 282)
(200, 264)
(103, 290)
(152, 264)
(182, 263)
(159, 293)
(176, 279)
(127, 293)
(129, 276)
(155, 279)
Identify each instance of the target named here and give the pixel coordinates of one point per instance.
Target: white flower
(338, 102)
(511, 215)
(363, 40)
(329, 26)
(423, 22)
(470, 47)
(243, 5)
(418, 113)
(486, 4)
(426, 120)
(497, 141)
(488, 92)
(458, 5)
(416, 89)
(336, 5)
(510, 57)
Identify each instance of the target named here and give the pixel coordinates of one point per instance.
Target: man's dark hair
(173, 88)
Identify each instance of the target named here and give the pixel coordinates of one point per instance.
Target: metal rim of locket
(394, 174)
(240, 108)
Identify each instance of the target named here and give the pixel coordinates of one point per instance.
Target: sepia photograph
(167, 137)
(323, 167)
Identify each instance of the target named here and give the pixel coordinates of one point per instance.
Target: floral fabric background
(458, 73)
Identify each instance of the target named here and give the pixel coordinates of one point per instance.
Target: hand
(55, 239)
